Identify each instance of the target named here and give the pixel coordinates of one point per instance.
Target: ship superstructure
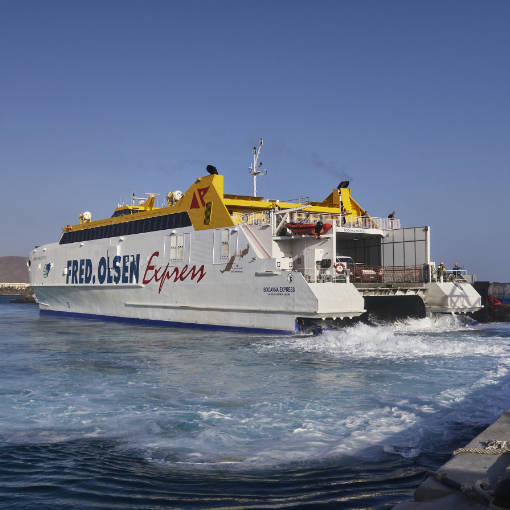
(233, 261)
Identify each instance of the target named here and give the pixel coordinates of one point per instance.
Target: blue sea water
(115, 416)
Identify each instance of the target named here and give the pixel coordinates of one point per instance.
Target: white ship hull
(205, 279)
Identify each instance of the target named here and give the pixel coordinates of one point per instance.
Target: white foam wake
(398, 340)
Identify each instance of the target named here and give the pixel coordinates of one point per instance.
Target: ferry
(214, 260)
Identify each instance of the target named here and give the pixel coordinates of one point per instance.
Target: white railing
(345, 221)
(264, 218)
(369, 222)
(315, 275)
(452, 275)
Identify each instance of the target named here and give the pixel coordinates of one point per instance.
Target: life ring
(340, 267)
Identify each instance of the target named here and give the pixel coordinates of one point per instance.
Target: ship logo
(198, 198)
(46, 270)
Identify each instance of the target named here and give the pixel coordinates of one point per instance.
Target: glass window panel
(224, 244)
(180, 246)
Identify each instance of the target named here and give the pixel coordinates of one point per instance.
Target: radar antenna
(255, 168)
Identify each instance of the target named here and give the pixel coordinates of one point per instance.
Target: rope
(492, 447)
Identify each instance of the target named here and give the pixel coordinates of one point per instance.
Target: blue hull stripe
(150, 322)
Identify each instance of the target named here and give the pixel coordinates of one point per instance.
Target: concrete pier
(13, 289)
(24, 292)
(477, 476)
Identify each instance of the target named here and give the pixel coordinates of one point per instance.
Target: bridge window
(164, 222)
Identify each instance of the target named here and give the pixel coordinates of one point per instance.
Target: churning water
(108, 415)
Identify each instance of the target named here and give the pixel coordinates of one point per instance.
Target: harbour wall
(23, 290)
(13, 289)
(477, 476)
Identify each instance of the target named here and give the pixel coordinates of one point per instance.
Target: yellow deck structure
(209, 207)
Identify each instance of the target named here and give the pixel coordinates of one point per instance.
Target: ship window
(180, 246)
(177, 247)
(325, 263)
(173, 247)
(166, 222)
(224, 244)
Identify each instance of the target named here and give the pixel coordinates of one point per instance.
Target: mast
(255, 167)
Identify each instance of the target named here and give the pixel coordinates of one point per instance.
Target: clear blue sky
(409, 99)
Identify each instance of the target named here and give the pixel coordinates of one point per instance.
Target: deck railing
(366, 222)
(264, 217)
(363, 273)
(404, 274)
(346, 221)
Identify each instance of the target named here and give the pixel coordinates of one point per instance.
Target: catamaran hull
(205, 279)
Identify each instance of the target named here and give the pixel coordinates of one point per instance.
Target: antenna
(255, 167)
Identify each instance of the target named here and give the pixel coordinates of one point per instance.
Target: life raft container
(308, 229)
